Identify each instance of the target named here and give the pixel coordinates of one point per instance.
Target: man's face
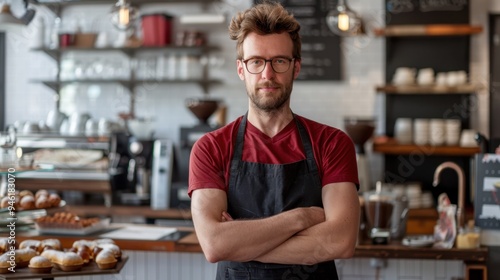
(268, 90)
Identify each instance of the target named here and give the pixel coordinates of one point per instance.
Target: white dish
(102, 224)
(419, 241)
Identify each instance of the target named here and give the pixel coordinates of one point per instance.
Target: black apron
(259, 190)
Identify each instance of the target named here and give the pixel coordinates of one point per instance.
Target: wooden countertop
(189, 243)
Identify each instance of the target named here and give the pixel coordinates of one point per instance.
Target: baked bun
(4, 203)
(42, 202)
(33, 244)
(23, 257)
(65, 261)
(40, 264)
(41, 192)
(4, 245)
(4, 263)
(104, 241)
(106, 259)
(26, 193)
(82, 242)
(51, 243)
(54, 200)
(27, 203)
(85, 255)
(113, 248)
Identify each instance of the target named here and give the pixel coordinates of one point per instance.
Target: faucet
(461, 187)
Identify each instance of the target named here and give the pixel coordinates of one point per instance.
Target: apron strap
(238, 150)
(307, 145)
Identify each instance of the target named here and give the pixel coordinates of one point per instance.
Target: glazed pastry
(85, 255)
(41, 192)
(27, 203)
(106, 259)
(33, 244)
(4, 202)
(104, 241)
(52, 243)
(79, 243)
(4, 245)
(40, 264)
(26, 193)
(113, 248)
(54, 200)
(43, 202)
(23, 257)
(65, 261)
(4, 263)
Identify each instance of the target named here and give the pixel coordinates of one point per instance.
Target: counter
(186, 241)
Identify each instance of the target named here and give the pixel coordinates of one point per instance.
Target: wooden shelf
(431, 89)
(428, 30)
(391, 147)
(198, 50)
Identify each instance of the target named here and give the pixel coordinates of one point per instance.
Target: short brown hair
(265, 18)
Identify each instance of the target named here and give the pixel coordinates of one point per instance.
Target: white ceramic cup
(467, 138)
(403, 130)
(425, 76)
(421, 131)
(404, 76)
(437, 132)
(453, 129)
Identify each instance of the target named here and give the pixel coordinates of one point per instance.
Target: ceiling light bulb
(343, 21)
(123, 15)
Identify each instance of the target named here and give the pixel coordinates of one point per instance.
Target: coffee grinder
(360, 130)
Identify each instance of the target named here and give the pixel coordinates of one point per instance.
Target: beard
(267, 101)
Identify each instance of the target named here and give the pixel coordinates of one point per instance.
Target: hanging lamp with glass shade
(343, 21)
(8, 22)
(123, 15)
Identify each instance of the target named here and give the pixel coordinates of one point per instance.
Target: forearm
(243, 240)
(314, 245)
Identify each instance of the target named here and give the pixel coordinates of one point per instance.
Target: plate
(102, 224)
(419, 241)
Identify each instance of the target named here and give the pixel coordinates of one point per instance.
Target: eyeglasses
(257, 65)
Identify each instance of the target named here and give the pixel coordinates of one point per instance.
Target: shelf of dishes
(56, 140)
(55, 85)
(134, 2)
(428, 89)
(129, 51)
(391, 146)
(428, 30)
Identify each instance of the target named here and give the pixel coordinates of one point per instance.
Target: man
(274, 195)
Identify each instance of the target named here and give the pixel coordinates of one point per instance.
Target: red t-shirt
(211, 155)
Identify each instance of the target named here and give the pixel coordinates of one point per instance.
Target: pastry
(25, 193)
(40, 264)
(4, 203)
(4, 245)
(5, 263)
(23, 257)
(42, 202)
(33, 244)
(106, 259)
(52, 243)
(27, 203)
(113, 248)
(82, 242)
(85, 255)
(54, 200)
(41, 192)
(65, 261)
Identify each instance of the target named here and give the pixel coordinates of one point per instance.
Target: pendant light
(123, 15)
(8, 22)
(343, 21)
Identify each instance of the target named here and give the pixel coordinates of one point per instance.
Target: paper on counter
(139, 233)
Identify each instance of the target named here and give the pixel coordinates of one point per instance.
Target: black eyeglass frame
(270, 62)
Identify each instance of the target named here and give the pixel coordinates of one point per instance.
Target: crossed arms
(305, 235)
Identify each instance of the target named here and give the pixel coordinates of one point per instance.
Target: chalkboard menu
(320, 47)
(427, 11)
